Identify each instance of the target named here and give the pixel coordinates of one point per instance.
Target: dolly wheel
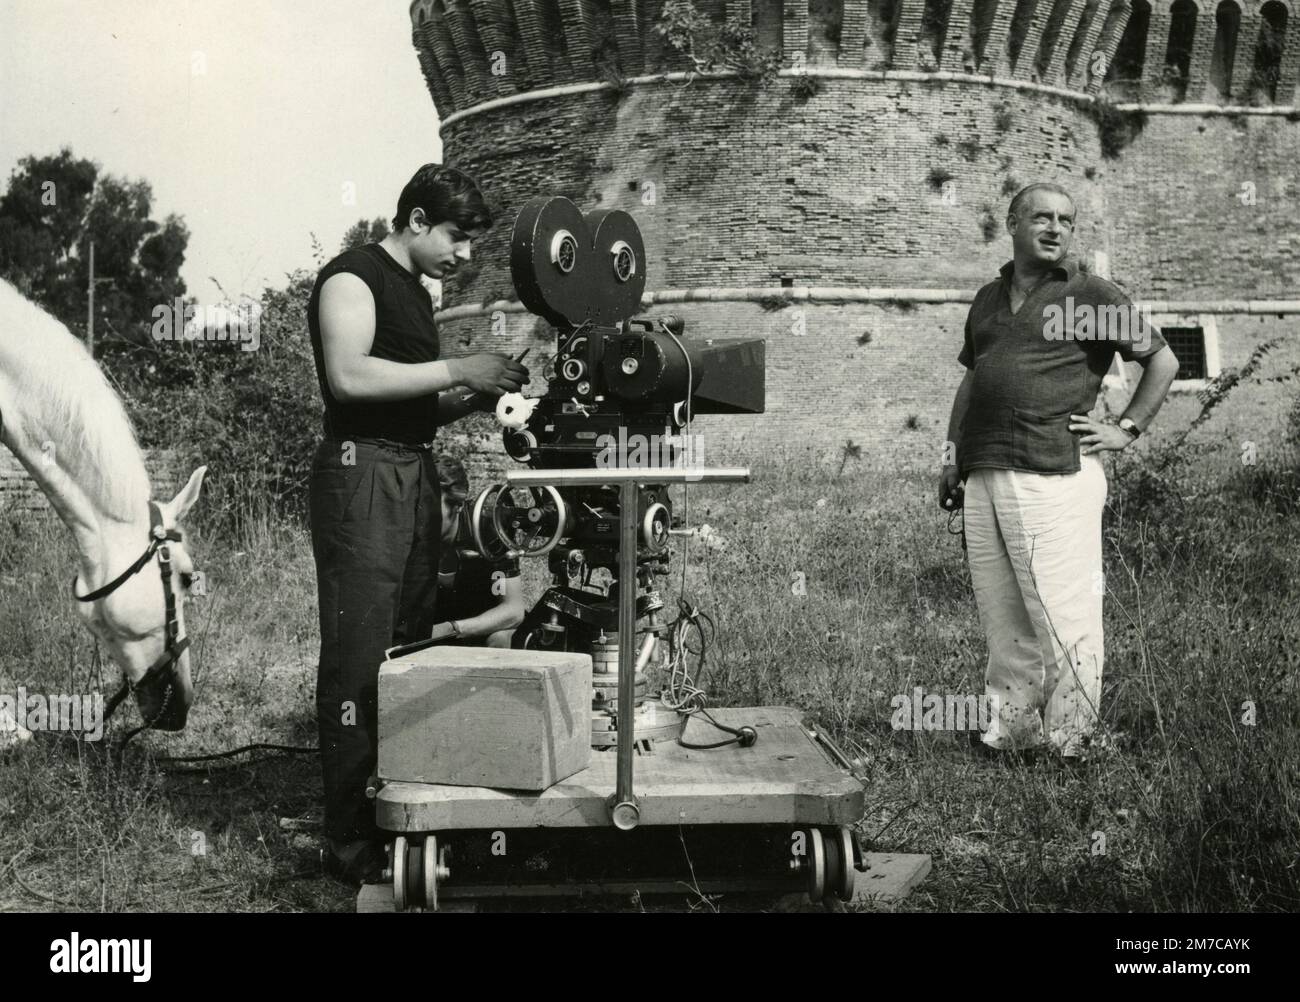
(816, 865)
(399, 873)
(430, 873)
(834, 868)
(839, 864)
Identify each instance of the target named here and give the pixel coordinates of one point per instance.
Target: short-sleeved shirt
(465, 583)
(1035, 368)
(404, 332)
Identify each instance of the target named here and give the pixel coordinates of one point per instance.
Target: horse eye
(186, 581)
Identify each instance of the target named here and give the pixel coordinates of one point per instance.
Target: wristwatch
(1130, 426)
(455, 628)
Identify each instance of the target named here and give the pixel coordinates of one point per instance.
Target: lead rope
(952, 517)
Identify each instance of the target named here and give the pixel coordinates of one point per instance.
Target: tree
(363, 232)
(53, 208)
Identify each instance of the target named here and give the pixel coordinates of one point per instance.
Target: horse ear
(180, 505)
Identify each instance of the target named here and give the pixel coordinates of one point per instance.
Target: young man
(480, 601)
(374, 496)
(1035, 487)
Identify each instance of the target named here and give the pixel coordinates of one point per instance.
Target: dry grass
(1198, 810)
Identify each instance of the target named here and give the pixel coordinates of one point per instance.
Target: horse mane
(67, 400)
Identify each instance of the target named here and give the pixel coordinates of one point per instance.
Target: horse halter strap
(164, 667)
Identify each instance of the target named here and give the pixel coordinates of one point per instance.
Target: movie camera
(477, 746)
(622, 392)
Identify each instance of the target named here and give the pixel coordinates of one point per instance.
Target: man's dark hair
(1014, 208)
(452, 477)
(446, 195)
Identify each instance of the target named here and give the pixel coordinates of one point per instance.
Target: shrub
(1115, 128)
(805, 87)
(938, 177)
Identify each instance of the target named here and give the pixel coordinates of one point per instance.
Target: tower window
(1188, 344)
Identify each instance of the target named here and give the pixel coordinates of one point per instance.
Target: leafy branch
(713, 47)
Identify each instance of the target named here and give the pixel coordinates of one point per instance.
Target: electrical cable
(690, 392)
(685, 693)
(259, 746)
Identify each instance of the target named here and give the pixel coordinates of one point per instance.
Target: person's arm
(1140, 342)
(347, 324)
(960, 404)
(452, 406)
(1158, 373)
(347, 327)
(505, 615)
(950, 491)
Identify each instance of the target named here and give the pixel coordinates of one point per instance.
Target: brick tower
(847, 207)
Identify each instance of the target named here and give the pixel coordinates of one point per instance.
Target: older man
(1038, 342)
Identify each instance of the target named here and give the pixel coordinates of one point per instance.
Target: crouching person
(480, 601)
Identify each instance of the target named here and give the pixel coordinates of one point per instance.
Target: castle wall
(889, 177)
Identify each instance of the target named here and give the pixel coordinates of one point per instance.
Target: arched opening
(1051, 38)
(934, 26)
(1268, 52)
(981, 23)
(1017, 30)
(882, 23)
(825, 27)
(1124, 77)
(1178, 54)
(769, 31)
(1091, 9)
(1227, 22)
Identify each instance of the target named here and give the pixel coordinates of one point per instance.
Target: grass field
(1197, 809)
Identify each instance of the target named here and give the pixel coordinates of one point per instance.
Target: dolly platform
(768, 813)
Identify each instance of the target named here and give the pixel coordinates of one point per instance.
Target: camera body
(621, 394)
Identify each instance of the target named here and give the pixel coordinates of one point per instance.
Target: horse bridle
(163, 671)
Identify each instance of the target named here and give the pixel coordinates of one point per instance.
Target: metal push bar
(624, 811)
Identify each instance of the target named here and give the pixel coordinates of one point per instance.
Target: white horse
(67, 427)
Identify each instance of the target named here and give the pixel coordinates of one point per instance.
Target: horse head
(138, 615)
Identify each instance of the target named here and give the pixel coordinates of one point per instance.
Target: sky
(255, 120)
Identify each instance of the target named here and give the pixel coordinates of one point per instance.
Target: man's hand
(1099, 437)
(491, 372)
(952, 495)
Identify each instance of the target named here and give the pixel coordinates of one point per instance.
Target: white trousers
(1034, 545)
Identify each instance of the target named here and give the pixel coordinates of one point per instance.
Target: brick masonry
(18, 493)
(756, 188)
(884, 183)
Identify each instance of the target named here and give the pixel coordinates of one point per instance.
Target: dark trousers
(376, 525)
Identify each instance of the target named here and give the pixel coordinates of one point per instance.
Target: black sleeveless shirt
(404, 332)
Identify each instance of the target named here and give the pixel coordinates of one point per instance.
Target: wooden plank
(784, 778)
(890, 876)
(375, 899)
